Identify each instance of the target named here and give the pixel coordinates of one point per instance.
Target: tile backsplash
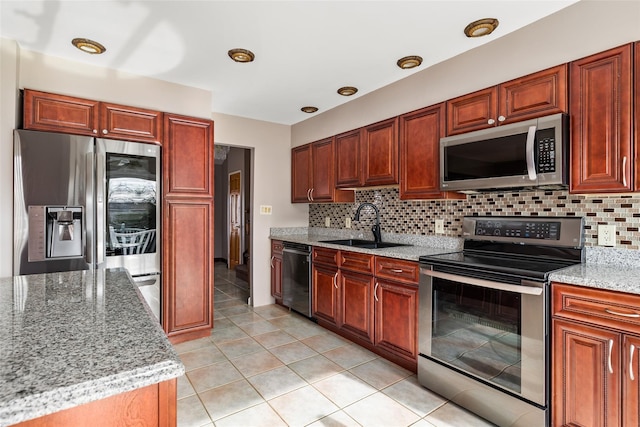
(418, 216)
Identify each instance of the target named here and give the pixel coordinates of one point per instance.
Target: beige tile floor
(266, 366)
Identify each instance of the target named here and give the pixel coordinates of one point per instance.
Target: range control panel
(546, 230)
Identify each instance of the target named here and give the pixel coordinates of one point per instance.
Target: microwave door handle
(531, 164)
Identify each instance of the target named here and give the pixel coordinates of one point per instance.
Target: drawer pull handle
(375, 292)
(633, 348)
(617, 313)
(397, 270)
(335, 280)
(610, 350)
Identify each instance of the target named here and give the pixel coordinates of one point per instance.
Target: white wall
(579, 30)
(271, 145)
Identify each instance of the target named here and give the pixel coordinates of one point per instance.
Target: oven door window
(478, 331)
(131, 204)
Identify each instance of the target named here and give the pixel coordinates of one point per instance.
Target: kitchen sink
(365, 244)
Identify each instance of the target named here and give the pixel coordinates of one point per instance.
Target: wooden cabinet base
(154, 405)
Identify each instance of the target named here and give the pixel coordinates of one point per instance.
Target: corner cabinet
(602, 149)
(312, 174)
(596, 339)
(420, 133)
(535, 95)
(188, 224)
(59, 113)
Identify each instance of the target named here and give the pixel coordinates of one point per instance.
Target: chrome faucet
(377, 235)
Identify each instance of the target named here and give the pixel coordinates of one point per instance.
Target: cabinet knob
(104, 131)
(501, 119)
(95, 131)
(491, 121)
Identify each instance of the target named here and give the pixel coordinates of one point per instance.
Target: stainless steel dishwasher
(296, 277)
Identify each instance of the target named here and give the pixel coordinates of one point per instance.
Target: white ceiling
(305, 50)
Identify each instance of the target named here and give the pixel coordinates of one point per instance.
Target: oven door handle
(520, 289)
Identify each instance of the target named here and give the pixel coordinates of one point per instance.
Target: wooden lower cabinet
(373, 301)
(151, 406)
(596, 334)
(276, 270)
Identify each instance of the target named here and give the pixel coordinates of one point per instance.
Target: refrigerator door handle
(89, 213)
(100, 213)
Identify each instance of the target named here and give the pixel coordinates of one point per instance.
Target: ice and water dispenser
(55, 232)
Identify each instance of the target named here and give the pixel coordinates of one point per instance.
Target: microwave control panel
(546, 230)
(546, 143)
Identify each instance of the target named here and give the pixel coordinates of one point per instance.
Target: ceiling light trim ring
(241, 55)
(88, 46)
(481, 27)
(309, 109)
(347, 90)
(409, 62)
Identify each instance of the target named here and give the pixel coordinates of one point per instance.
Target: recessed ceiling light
(309, 109)
(88, 46)
(409, 62)
(241, 55)
(481, 27)
(347, 90)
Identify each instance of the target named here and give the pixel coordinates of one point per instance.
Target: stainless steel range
(484, 315)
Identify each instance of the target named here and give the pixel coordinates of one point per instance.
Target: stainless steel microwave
(531, 153)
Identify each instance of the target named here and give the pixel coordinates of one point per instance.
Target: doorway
(233, 200)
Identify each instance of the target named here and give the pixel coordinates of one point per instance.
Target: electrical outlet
(327, 221)
(347, 222)
(606, 235)
(439, 226)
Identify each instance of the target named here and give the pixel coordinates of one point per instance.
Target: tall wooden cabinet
(420, 133)
(602, 146)
(595, 357)
(312, 173)
(187, 222)
(534, 95)
(59, 113)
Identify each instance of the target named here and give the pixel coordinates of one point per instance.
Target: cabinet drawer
(611, 309)
(356, 262)
(397, 270)
(325, 256)
(276, 247)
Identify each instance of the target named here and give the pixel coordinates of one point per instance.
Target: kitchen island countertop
(75, 337)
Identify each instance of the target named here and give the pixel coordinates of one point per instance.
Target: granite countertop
(605, 268)
(75, 337)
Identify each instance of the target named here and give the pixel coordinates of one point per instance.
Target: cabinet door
(187, 265)
(396, 318)
(473, 111)
(420, 133)
(276, 269)
(586, 376)
(535, 95)
(348, 159)
(600, 102)
(133, 124)
(301, 174)
(631, 380)
(379, 149)
(188, 156)
(59, 113)
(636, 123)
(322, 187)
(325, 293)
(356, 304)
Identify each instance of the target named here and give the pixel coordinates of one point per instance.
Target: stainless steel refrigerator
(84, 203)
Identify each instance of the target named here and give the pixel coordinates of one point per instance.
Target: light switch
(439, 226)
(265, 210)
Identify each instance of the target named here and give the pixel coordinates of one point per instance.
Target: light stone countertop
(75, 337)
(605, 268)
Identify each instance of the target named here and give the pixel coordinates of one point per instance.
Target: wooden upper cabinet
(601, 121)
(312, 174)
(301, 174)
(420, 133)
(135, 124)
(534, 95)
(66, 114)
(380, 153)
(59, 113)
(636, 118)
(348, 159)
(188, 156)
